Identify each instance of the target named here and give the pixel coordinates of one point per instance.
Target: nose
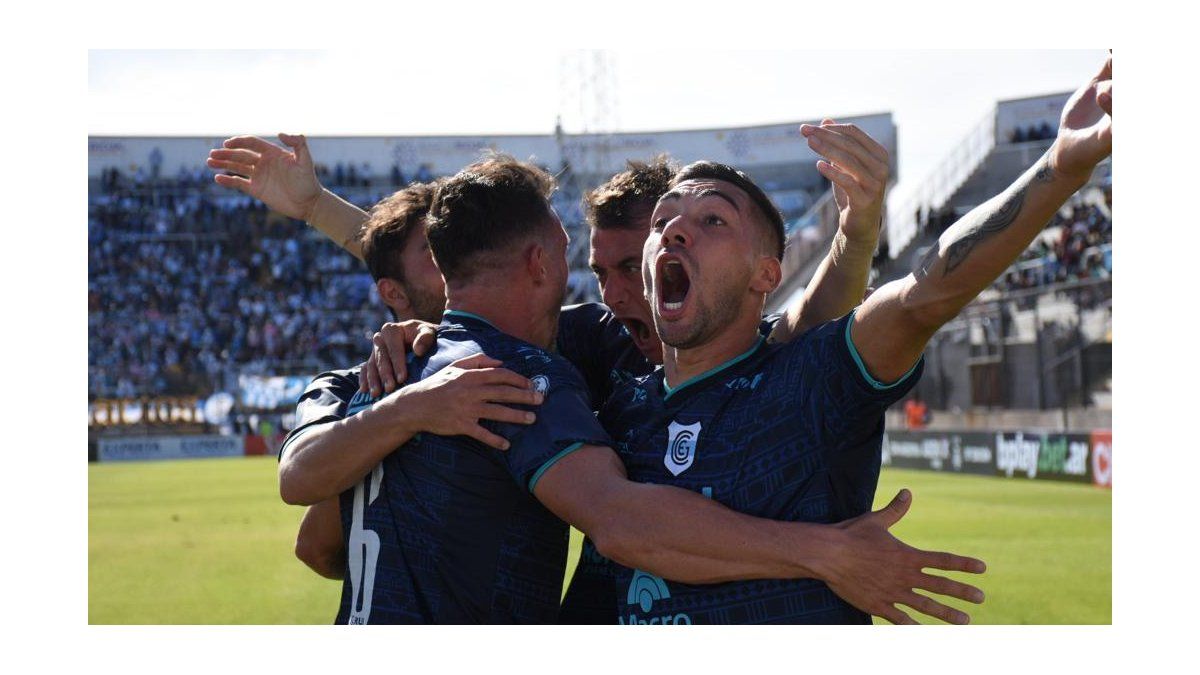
(613, 292)
(675, 233)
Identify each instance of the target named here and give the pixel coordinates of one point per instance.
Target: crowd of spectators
(1076, 246)
(189, 284)
(1033, 132)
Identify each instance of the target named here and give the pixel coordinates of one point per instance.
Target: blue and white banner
(267, 393)
(142, 448)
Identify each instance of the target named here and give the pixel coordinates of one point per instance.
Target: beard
(426, 305)
(709, 320)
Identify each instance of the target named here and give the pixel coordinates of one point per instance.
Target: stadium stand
(196, 290)
(1041, 338)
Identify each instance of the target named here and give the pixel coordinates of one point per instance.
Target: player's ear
(394, 296)
(535, 262)
(768, 273)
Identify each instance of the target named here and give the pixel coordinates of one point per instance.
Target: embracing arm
(680, 535)
(326, 459)
(858, 167)
(892, 327)
(319, 542)
(684, 536)
(287, 182)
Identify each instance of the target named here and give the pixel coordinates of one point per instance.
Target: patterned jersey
(446, 529)
(787, 432)
(592, 339)
(599, 345)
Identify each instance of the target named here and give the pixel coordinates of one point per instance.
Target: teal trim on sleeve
(668, 389)
(461, 314)
(862, 367)
(550, 462)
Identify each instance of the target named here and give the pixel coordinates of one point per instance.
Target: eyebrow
(710, 192)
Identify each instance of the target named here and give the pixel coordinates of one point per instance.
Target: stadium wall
(743, 147)
(1021, 455)
(150, 448)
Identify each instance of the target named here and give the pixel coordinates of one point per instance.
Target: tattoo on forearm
(959, 249)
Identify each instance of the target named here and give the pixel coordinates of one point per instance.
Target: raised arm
(690, 538)
(326, 459)
(892, 327)
(287, 182)
(858, 167)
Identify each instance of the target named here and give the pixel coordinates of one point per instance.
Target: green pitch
(209, 541)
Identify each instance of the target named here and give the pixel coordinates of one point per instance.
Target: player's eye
(633, 269)
(659, 224)
(714, 220)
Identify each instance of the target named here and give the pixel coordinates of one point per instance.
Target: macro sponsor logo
(645, 590)
(1017, 455)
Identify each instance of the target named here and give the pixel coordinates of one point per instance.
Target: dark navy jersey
(592, 339)
(595, 342)
(446, 529)
(324, 400)
(788, 432)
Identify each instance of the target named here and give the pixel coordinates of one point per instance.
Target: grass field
(209, 541)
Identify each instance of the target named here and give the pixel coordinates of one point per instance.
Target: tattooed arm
(891, 328)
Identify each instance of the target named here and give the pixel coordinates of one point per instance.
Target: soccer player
(445, 529)
(789, 431)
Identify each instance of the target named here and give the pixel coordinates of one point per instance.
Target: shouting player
(789, 431)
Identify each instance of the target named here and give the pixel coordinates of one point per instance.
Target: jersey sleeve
(325, 399)
(836, 385)
(564, 424)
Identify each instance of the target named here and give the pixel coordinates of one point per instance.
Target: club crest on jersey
(541, 384)
(681, 447)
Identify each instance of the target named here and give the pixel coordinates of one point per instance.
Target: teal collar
(731, 362)
(459, 314)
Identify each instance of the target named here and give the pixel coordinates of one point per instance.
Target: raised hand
(858, 167)
(385, 369)
(1085, 129)
(876, 571)
(283, 180)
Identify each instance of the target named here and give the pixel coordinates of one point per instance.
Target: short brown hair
(487, 206)
(389, 225)
(613, 205)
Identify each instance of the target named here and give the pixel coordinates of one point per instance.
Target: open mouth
(673, 284)
(637, 328)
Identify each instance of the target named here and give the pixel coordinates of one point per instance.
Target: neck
(506, 308)
(681, 365)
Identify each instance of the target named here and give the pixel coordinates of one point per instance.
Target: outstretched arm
(690, 538)
(894, 324)
(287, 182)
(858, 167)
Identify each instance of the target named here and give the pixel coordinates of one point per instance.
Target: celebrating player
(786, 431)
(435, 499)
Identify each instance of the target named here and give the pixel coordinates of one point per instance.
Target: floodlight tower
(588, 109)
